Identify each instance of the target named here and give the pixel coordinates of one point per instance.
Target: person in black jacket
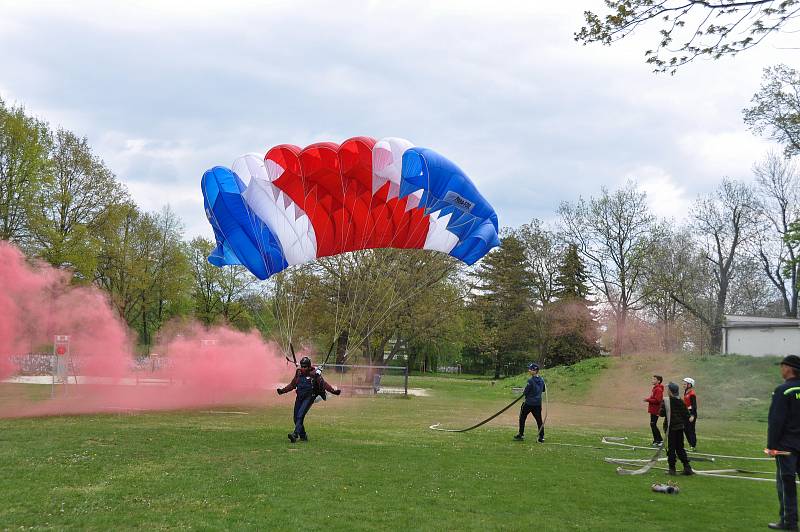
(532, 403)
(676, 417)
(783, 440)
(309, 384)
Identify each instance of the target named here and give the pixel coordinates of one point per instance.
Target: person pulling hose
(533, 403)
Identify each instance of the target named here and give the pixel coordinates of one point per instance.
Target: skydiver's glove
(337, 391)
(280, 391)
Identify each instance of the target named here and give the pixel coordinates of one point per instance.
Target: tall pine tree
(504, 303)
(573, 332)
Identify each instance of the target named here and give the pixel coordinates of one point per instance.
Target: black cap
(673, 388)
(305, 362)
(793, 361)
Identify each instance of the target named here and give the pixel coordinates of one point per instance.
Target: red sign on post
(61, 345)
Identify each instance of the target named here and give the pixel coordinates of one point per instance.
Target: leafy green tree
(71, 204)
(688, 29)
(221, 294)
(776, 108)
(374, 301)
(24, 146)
(144, 266)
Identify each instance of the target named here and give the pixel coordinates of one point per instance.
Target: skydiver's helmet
(305, 362)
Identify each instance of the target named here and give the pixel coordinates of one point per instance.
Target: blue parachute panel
(447, 189)
(241, 237)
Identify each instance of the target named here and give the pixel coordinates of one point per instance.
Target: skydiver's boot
(672, 471)
(519, 437)
(687, 470)
(292, 437)
(303, 437)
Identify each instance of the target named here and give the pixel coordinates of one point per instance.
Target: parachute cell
(296, 205)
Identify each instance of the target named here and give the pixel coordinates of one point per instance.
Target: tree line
(604, 274)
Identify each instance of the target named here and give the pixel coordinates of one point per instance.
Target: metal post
(405, 381)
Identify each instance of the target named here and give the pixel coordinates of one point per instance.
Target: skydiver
(309, 385)
(533, 403)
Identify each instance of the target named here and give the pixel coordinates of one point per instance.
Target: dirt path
(617, 397)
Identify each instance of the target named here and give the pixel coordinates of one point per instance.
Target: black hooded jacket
(783, 431)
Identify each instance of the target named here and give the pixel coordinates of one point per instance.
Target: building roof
(746, 322)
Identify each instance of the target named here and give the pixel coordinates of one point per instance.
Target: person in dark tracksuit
(653, 407)
(673, 426)
(532, 403)
(783, 440)
(309, 384)
(690, 400)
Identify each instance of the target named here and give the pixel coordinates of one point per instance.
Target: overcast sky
(164, 92)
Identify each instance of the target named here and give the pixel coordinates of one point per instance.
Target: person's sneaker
(519, 437)
(671, 471)
(657, 444)
(303, 438)
(540, 440)
(292, 437)
(691, 449)
(687, 471)
(781, 526)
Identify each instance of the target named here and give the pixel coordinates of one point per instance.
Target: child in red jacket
(690, 400)
(654, 407)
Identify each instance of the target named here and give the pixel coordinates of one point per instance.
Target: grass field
(372, 463)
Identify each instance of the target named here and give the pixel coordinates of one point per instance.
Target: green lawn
(372, 463)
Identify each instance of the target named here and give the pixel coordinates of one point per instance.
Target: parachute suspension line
(436, 426)
(285, 332)
(396, 302)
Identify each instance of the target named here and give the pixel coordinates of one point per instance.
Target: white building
(758, 337)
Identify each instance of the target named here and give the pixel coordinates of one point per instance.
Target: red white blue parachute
(296, 205)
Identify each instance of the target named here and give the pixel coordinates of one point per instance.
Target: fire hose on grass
(695, 457)
(645, 464)
(436, 426)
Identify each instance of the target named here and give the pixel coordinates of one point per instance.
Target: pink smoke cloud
(194, 367)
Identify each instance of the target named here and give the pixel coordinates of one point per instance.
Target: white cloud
(666, 198)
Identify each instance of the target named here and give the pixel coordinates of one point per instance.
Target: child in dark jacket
(532, 403)
(676, 417)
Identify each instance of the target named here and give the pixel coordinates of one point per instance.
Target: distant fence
(33, 364)
(42, 364)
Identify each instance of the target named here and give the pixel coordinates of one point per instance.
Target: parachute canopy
(296, 205)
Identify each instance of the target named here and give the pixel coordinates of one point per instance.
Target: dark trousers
(654, 427)
(787, 489)
(536, 410)
(691, 435)
(675, 447)
(301, 407)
